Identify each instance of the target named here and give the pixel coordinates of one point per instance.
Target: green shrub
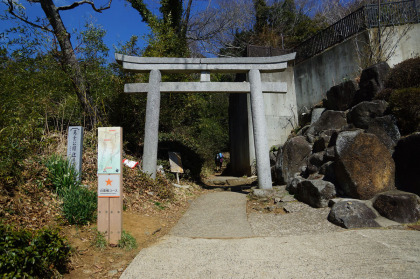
(127, 241)
(27, 255)
(384, 94)
(404, 75)
(61, 174)
(99, 241)
(405, 106)
(79, 205)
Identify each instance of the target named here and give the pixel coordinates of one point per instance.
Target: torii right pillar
(260, 130)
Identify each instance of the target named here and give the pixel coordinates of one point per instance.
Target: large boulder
(341, 97)
(372, 81)
(407, 163)
(398, 206)
(316, 114)
(320, 143)
(291, 186)
(364, 167)
(327, 170)
(352, 214)
(316, 193)
(386, 129)
(329, 120)
(315, 161)
(330, 153)
(295, 156)
(361, 114)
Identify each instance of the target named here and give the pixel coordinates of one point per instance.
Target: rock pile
(348, 151)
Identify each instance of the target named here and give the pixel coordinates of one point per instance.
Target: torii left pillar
(151, 135)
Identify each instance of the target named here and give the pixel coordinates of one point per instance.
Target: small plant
(160, 206)
(405, 106)
(404, 75)
(61, 174)
(99, 241)
(79, 203)
(24, 254)
(127, 241)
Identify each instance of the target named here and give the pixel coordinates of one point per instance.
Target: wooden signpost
(110, 196)
(176, 164)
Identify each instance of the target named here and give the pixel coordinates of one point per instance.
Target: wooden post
(110, 182)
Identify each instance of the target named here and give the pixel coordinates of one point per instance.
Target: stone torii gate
(253, 66)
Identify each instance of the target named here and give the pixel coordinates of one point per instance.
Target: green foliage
(27, 255)
(61, 174)
(405, 106)
(30, 104)
(127, 241)
(93, 48)
(160, 206)
(404, 75)
(172, 13)
(165, 41)
(79, 203)
(99, 241)
(280, 24)
(168, 37)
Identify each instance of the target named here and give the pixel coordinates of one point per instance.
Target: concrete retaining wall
(314, 76)
(407, 39)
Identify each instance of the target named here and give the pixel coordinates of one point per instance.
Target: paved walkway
(216, 239)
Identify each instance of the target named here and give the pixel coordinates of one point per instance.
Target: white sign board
(74, 148)
(109, 150)
(109, 186)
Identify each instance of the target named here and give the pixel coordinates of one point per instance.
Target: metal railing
(391, 14)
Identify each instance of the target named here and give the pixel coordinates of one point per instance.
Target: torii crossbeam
(253, 66)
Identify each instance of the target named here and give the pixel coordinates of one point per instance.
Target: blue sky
(121, 21)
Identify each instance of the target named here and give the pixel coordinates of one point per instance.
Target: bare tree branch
(187, 18)
(24, 19)
(76, 4)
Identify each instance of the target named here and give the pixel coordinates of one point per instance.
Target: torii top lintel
(196, 65)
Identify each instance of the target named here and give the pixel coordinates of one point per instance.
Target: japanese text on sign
(74, 147)
(109, 186)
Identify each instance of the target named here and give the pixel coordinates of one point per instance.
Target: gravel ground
(301, 220)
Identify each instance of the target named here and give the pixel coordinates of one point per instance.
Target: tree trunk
(70, 63)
